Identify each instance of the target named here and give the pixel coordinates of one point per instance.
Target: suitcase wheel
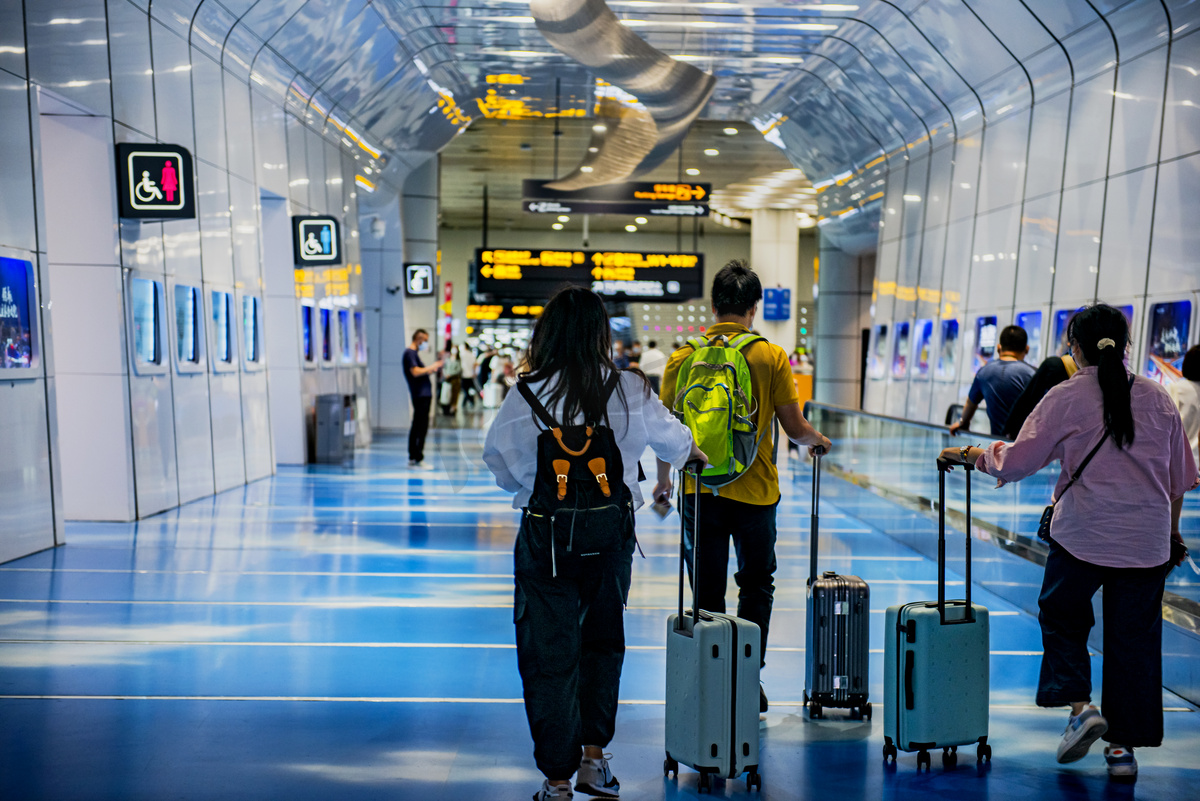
(754, 780)
(670, 766)
(923, 759)
(866, 710)
(949, 757)
(814, 709)
(890, 752)
(984, 752)
(706, 782)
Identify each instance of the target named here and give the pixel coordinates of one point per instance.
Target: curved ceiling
(841, 88)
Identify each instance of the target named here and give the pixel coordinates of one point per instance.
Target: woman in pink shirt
(1112, 529)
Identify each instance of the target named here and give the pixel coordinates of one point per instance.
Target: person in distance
(999, 382)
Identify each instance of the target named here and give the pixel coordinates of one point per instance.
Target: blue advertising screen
(16, 314)
(326, 345)
(876, 361)
(1032, 323)
(306, 324)
(986, 335)
(344, 330)
(360, 338)
(146, 321)
(900, 351)
(948, 351)
(187, 301)
(250, 327)
(1170, 327)
(221, 323)
(923, 347)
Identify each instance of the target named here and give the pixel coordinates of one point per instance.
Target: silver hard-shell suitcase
(837, 643)
(712, 687)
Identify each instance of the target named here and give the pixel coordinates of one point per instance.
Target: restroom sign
(316, 240)
(155, 181)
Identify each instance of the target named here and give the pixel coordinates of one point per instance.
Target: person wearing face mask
(421, 390)
(1126, 463)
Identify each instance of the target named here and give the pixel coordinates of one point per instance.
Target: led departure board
(667, 199)
(620, 275)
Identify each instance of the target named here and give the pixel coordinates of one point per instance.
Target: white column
(844, 300)
(775, 256)
(419, 210)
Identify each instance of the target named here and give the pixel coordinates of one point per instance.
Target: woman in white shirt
(1186, 395)
(569, 600)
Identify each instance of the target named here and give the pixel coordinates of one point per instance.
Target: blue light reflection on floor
(336, 633)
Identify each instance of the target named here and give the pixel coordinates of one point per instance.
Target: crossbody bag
(1048, 512)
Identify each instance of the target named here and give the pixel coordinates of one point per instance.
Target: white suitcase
(712, 690)
(492, 395)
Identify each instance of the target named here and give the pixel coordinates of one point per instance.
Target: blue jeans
(1132, 643)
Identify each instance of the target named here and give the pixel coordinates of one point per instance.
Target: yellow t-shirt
(772, 385)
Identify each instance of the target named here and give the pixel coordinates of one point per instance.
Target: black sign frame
(691, 199)
(148, 196)
(540, 282)
(302, 227)
(408, 276)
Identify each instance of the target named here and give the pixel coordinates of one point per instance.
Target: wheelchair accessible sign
(155, 182)
(316, 240)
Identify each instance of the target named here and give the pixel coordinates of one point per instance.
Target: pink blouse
(1119, 512)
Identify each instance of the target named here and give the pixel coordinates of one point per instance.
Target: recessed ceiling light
(712, 151)
(631, 228)
(563, 218)
(557, 226)
(585, 168)
(692, 171)
(599, 128)
(731, 131)
(593, 150)
(640, 220)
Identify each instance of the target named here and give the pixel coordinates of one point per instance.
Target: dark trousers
(752, 528)
(419, 428)
(470, 391)
(570, 637)
(1132, 691)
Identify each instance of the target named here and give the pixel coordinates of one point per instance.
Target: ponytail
(1102, 334)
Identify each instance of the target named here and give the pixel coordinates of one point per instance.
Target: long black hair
(1088, 329)
(571, 350)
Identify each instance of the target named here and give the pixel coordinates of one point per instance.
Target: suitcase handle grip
(909, 697)
(944, 467)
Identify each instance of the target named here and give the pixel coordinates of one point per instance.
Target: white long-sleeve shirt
(510, 450)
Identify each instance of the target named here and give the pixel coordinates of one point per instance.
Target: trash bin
(335, 429)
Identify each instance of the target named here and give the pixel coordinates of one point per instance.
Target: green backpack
(714, 400)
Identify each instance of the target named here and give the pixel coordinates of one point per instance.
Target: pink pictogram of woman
(170, 181)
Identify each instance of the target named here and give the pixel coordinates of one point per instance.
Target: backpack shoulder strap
(539, 410)
(741, 341)
(1070, 365)
(697, 342)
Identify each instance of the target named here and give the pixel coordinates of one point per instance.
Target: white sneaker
(419, 465)
(553, 791)
(1082, 730)
(596, 778)
(1121, 762)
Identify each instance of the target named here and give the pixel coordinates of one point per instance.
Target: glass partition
(895, 459)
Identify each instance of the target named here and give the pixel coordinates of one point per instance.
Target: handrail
(887, 418)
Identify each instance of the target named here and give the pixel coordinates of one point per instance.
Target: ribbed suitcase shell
(712, 694)
(837, 642)
(936, 685)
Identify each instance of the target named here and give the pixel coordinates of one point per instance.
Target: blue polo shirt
(1000, 383)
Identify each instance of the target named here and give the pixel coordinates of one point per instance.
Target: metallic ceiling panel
(673, 92)
(621, 140)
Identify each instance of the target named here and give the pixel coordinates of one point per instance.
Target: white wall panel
(1176, 238)
(172, 87)
(132, 73)
(212, 203)
(1047, 145)
(210, 109)
(193, 436)
(240, 141)
(17, 228)
(256, 425)
(1181, 125)
(1078, 258)
(94, 443)
(229, 458)
(1126, 239)
(965, 185)
(1137, 118)
(156, 483)
(270, 145)
(1035, 260)
(1091, 117)
(993, 260)
(88, 315)
(1002, 181)
(25, 489)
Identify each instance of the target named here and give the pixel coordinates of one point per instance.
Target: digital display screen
(923, 347)
(1170, 327)
(1032, 323)
(947, 365)
(17, 319)
(144, 293)
(344, 331)
(221, 311)
(360, 338)
(538, 274)
(900, 350)
(306, 324)
(877, 361)
(1062, 326)
(187, 332)
(250, 328)
(986, 333)
(326, 345)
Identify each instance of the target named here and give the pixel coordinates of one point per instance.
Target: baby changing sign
(315, 240)
(156, 182)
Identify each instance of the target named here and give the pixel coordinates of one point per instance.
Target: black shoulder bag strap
(539, 410)
(1048, 512)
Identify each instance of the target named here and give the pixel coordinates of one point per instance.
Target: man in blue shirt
(1000, 382)
(421, 389)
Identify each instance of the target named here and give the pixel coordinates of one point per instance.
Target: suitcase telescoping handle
(694, 468)
(945, 467)
(816, 499)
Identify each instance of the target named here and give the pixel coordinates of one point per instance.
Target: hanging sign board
(632, 197)
(777, 304)
(316, 240)
(155, 182)
(625, 275)
(418, 280)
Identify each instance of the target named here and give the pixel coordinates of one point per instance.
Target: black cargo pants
(752, 528)
(569, 612)
(1132, 660)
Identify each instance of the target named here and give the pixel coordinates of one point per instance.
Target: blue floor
(335, 633)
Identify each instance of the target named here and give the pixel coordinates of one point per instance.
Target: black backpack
(579, 487)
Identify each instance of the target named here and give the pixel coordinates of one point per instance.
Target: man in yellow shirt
(745, 508)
